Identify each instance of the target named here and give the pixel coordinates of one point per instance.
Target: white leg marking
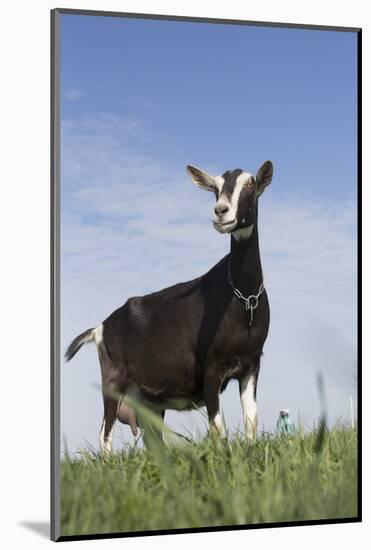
(217, 425)
(248, 402)
(101, 437)
(105, 444)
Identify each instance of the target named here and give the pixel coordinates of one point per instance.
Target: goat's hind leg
(111, 389)
(115, 408)
(211, 392)
(109, 417)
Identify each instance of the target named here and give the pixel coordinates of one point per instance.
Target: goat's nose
(221, 209)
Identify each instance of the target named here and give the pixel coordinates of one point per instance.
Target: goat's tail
(78, 342)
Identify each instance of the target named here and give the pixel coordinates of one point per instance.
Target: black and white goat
(178, 348)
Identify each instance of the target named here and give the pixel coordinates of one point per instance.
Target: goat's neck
(245, 265)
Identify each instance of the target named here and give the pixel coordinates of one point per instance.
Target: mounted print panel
(205, 192)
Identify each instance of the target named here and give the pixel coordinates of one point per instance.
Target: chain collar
(252, 301)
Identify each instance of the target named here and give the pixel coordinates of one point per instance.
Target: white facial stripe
(219, 182)
(243, 178)
(249, 408)
(232, 203)
(226, 222)
(235, 197)
(241, 181)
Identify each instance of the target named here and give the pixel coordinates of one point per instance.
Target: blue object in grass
(284, 424)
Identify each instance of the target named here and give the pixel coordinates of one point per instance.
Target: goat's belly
(164, 401)
(182, 404)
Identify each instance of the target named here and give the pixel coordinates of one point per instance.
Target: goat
(179, 347)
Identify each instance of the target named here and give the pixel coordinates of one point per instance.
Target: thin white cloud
(132, 225)
(73, 95)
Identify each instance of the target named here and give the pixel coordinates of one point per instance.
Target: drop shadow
(42, 528)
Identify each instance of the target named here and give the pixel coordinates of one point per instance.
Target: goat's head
(236, 195)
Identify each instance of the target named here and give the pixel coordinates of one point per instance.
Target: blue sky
(140, 100)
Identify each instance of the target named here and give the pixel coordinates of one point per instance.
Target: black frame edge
(359, 266)
(197, 19)
(195, 530)
(54, 276)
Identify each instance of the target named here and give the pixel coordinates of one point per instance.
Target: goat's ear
(264, 176)
(200, 178)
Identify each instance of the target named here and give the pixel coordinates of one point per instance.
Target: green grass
(308, 477)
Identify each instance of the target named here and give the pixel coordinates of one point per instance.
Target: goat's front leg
(211, 394)
(248, 385)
